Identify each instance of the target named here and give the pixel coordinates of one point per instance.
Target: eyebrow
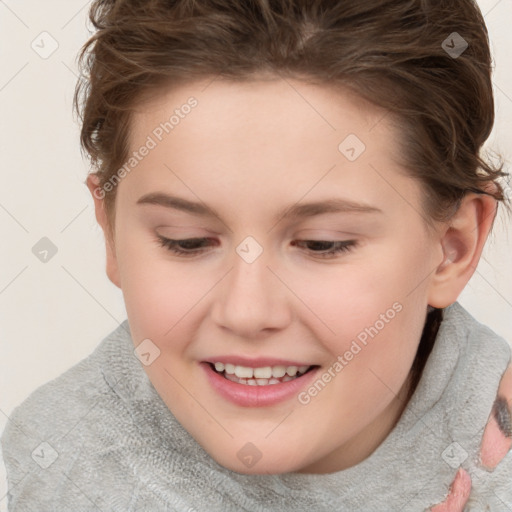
(329, 205)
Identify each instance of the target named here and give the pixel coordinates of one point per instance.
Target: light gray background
(53, 314)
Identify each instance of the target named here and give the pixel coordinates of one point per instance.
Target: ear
(462, 240)
(98, 195)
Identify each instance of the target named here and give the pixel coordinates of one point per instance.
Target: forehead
(287, 136)
(269, 119)
(261, 103)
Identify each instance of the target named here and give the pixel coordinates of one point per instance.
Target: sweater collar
(451, 402)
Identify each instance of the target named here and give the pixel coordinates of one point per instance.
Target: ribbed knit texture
(120, 448)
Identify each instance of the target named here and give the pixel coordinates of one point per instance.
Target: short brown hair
(393, 53)
(390, 53)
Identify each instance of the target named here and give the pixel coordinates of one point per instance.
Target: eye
(189, 246)
(319, 248)
(336, 246)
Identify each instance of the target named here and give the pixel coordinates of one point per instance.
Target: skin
(248, 150)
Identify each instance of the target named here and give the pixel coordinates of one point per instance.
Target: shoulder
(62, 424)
(473, 337)
(49, 411)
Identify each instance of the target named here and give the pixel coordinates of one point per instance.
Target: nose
(251, 301)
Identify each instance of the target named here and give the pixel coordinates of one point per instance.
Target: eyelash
(340, 246)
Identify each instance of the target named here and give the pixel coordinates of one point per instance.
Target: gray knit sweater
(99, 437)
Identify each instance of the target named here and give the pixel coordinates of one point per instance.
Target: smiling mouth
(263, 376)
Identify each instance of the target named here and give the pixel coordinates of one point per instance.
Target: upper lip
(259, 362)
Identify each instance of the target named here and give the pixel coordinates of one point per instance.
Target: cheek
(375, 312)
(349, 299)
(382, 340)
(156, 293)
(373, 364)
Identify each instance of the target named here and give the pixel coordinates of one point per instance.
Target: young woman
(293, 198)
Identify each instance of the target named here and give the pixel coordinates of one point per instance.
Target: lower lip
(257, 396)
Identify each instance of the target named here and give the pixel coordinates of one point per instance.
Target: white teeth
(266, 382)
(262, 376)
(280, 371)
(231, 377)
(242, 372)
(292, 371)
(263, 373)
(230, 368)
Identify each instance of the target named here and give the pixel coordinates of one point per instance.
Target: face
(313, 313)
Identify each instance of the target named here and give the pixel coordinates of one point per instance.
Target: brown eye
(186, 247)
(326, 248)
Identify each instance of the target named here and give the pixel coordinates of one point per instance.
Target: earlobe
(97, 193)
(462, 243)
